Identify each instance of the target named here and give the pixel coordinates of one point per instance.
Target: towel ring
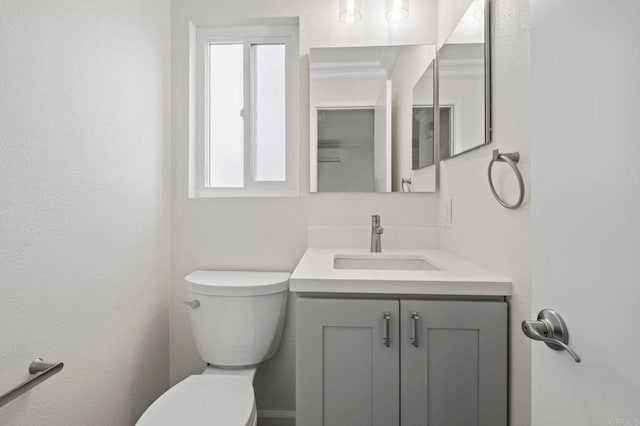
(511, 158)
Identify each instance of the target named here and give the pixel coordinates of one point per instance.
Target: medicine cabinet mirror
(465, 78)
(371, 111)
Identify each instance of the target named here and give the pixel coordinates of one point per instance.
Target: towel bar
(41, 370)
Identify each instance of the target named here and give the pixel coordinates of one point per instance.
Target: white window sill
(244, 193)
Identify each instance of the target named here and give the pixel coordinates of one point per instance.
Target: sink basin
(383, 262)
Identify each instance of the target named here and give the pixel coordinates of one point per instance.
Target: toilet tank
(238, 318)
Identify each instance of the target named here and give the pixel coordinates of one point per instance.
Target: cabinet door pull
(385, 338)
(414, 329)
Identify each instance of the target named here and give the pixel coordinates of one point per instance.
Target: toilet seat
(204, 400)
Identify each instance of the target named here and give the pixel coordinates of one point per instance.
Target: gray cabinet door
(346, 375)
(458, 373)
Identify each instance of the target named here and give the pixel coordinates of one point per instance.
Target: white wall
(449, 15)
(483, 231)
(466, 96)
(270, 234)
(461, 76)
(84, 218)
(382, 141)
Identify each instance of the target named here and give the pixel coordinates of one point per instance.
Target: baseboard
(276, 418)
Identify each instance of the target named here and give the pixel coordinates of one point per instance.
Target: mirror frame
(488, 87)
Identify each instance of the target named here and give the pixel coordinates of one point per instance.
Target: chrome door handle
(386, 340)
(193, 304)
(551, 329)
(414, 329)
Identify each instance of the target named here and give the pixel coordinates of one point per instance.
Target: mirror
(423, 125)
(362, 119)
(464, 75)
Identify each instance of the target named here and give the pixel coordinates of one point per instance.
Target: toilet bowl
(237, 319)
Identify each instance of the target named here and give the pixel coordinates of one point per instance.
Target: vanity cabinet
(391, 362)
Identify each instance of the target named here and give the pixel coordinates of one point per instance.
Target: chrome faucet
(376, 231)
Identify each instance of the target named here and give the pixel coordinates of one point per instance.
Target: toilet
(237, 319)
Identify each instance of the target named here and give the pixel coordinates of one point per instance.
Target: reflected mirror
(423, 124)
(363, 118)
(464, 79)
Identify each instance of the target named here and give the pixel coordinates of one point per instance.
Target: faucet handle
(379, 230)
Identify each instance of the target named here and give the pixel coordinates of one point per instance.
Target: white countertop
(315, 273)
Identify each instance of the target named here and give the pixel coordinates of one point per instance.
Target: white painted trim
(272, 192)
(336, 105)
(268, 31)
(193, 111)
(389, 58)
(277, 414)
(461, 68)
(347, 71)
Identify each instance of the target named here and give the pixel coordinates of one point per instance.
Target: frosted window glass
(270, 159)
(226, 126)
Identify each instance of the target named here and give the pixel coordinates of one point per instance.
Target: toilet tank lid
(236, 283)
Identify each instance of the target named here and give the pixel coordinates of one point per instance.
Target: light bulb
(350, 11)
(478, 10)
(397, 10)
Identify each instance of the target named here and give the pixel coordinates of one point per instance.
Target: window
(245, 129)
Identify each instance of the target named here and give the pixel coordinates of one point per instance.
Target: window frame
(247, 35)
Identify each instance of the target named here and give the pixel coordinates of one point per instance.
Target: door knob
(551, 329)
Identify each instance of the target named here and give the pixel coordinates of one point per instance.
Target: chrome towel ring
(511, 158)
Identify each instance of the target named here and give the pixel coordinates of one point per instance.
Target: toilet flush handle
(193, 304)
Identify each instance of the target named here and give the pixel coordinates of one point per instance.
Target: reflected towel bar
(41, 370)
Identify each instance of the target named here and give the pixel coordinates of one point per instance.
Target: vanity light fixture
(397, 10)
(350, 11)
